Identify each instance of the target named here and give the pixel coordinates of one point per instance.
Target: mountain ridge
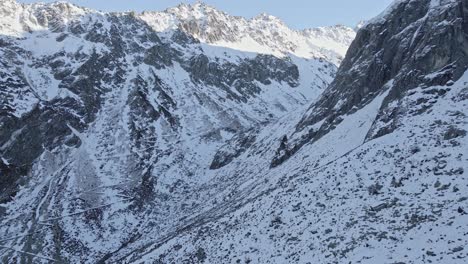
(306, 43)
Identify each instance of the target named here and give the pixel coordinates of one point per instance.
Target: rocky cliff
(415, 44)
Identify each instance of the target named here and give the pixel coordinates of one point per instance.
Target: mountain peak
(197, 10)
(269, 19)
(201, 4)
(69, 7)
(266, 17)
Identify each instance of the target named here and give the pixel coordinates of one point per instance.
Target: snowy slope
(163, 137)
(367, 190)
(103, 120)
(396, 199)
(380, 174)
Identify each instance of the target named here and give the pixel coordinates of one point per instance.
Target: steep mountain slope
(400, 198)
(374, 172)
(166, 145)
(415, 43)
(109, 128)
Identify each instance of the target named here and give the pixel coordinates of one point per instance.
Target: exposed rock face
(417, 44)
(238, 80)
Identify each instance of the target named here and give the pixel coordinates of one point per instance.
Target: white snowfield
(401, 198)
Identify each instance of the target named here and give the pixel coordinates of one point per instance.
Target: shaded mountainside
(416, 44)
(147, 138)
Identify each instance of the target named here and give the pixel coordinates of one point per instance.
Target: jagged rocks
(240, 78)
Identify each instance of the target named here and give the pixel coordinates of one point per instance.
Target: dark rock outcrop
(242, 76)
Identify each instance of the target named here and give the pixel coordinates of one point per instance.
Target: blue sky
(296, 13)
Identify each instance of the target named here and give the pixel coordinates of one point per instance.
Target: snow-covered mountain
(103, 118)
(261, 34)
(192, 136)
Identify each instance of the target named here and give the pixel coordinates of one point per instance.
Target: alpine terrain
(193, 136)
